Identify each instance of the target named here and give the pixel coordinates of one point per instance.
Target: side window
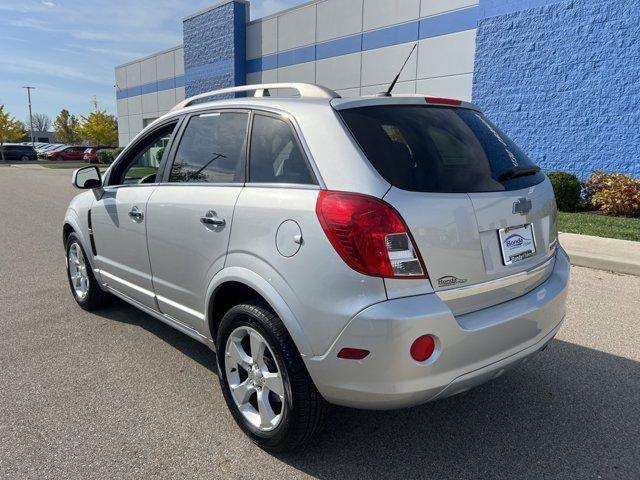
(141, 163)
(275, 153)
(211, 149)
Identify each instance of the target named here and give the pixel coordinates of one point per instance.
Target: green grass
(624, 228)
(65, 165)
(139, 172)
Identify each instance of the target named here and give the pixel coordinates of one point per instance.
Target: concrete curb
(620, 256)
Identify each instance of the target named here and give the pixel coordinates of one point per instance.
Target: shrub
(107, 156)
(567, 189)
(159, 154)
(614, 193)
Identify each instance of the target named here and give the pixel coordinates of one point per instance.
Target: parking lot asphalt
(117, 394)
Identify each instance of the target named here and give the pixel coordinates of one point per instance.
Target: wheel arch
(67, 229)
(72, 225)
(233, 285)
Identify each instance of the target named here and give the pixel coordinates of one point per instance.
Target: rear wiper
(519, 172)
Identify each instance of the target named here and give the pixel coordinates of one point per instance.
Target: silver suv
(372, 252)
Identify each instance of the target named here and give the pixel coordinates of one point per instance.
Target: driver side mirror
(87, 177)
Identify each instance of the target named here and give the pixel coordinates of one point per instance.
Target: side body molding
(264, 288)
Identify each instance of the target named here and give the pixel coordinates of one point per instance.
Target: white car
(373, 252)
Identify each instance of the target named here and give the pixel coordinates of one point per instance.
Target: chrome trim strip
(200, 184)
(190, 311)
(470, 290)
(291, 186)
(125, 283)
(148, 293)
(172, 322)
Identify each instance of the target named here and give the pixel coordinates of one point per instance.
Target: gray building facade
(559, 76)
(355, 47)
(147, 89)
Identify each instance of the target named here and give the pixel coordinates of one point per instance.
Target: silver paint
(169, 262)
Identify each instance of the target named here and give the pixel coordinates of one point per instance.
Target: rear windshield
(439, 149)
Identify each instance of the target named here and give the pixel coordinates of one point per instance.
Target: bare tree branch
(41, 122)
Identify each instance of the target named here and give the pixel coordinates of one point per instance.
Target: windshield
(439, 149)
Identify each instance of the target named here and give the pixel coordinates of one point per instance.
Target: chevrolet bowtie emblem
(522, 206)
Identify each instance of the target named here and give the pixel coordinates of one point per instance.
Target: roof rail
(307, 90)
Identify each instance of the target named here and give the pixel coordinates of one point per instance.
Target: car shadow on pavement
(571, 412)
(122, 312)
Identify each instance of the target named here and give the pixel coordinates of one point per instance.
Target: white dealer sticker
(516, 243)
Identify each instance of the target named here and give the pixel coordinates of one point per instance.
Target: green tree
(66, 127)
(11, 130)
(99, 128)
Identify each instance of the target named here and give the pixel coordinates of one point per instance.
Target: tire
(59, 158)
(302, 409)
(24, 158)
(94, 297)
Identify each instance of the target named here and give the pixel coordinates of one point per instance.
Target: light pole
(30, 116)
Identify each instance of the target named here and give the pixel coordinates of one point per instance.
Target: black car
(13, 151)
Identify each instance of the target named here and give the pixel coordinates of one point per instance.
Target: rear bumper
(471, 348)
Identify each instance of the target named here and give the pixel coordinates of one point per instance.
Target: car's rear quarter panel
(320, 289)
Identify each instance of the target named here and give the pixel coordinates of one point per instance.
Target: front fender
(266, 290)
(71, 218)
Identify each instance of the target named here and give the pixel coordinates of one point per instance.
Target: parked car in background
(42, 152)
(16, 151)
(35, 145)
(91, 153)
(74, 152)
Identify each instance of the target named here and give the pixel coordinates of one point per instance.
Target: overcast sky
(68, 49)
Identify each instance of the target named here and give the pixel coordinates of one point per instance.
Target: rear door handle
(136, 214)
(211, 218)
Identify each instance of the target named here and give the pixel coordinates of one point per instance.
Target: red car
(67, 153)
(91, 153)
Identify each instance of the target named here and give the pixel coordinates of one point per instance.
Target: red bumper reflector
(422, 348)
(353, 353)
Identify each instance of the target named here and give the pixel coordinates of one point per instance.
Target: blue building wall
(215, 47)
(563, 80)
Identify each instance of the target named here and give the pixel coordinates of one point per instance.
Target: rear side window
(276, 156)
(211, 149)
(439, 149)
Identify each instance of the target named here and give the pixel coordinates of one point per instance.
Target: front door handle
(136, 214)
(211, 218)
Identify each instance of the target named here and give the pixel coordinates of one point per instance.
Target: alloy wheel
(254, 378)
(78, 271)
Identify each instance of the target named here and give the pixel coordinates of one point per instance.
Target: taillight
(444, 101)
(369, 235)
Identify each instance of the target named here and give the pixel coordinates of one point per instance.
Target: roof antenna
(395, 80)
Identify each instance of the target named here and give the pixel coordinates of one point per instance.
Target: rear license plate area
(517, 243)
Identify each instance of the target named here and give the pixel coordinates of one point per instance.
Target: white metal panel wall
(442, 66)
(143, 101)
(297, 28)
(331, 26)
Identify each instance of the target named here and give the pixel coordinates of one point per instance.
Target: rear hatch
(480, 211)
